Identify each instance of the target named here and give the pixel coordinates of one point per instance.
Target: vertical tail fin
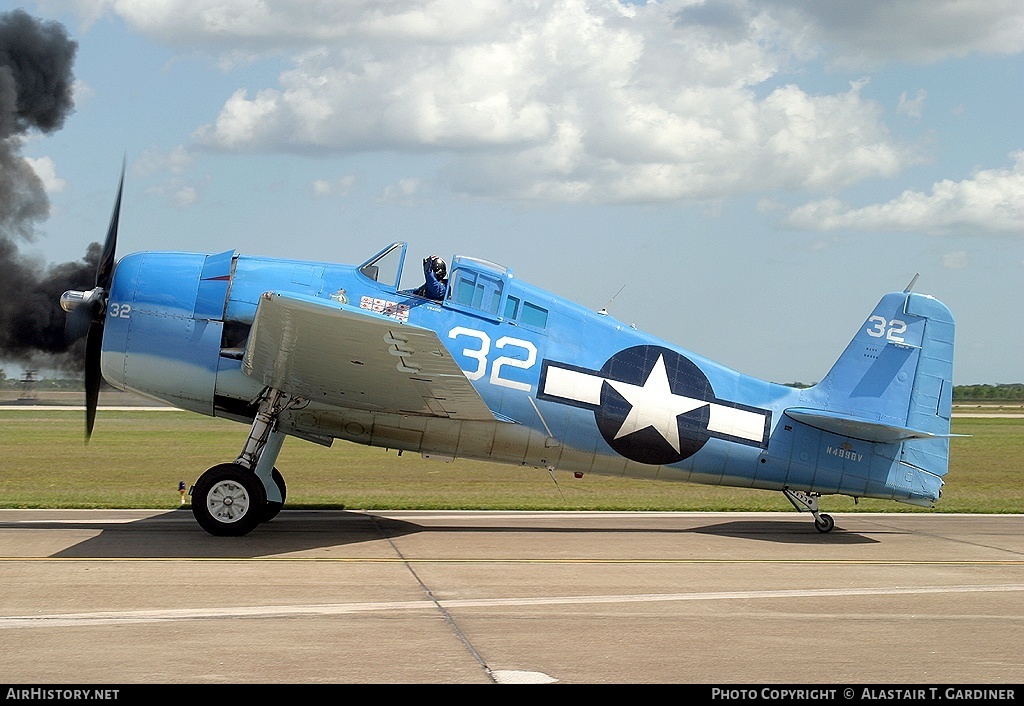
(898, 369)
(894, 382)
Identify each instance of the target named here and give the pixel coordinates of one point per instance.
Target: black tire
(228, 501)
(826, 525)
(272, 507)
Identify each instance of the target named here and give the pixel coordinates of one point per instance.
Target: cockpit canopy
(474, 285)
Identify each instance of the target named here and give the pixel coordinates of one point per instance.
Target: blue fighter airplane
(499, 370)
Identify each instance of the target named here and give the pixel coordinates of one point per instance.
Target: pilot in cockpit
(435, 274)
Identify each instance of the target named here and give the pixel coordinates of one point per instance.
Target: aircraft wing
(334, 353)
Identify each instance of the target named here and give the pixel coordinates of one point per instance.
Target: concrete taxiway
(342, 597)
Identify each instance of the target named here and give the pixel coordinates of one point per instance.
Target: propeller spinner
(86, 312)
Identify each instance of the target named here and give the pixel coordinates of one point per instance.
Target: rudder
(931, 399)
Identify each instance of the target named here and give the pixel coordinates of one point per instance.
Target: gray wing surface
(343, 356)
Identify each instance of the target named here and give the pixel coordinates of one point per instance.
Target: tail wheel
(271, 508)
(228, 501)
(824, 523)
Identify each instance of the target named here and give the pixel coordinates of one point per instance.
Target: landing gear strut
(809, 502)
(232, 499)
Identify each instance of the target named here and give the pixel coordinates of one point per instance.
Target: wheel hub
(228, 501)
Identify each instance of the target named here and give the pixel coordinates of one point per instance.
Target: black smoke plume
(36, 81)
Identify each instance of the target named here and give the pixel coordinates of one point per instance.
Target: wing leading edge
(337, 354)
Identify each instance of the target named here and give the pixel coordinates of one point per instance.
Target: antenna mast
(604, 310)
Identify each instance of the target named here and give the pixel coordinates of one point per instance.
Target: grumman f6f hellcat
(477, 364)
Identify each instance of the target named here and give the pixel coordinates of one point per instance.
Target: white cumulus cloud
(333, 187)
(47, 173)
(569, 101)
(404, 191)
(574, 100)
(990, 201)
(912, 107)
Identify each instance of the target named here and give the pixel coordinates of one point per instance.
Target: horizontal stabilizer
(857, 428)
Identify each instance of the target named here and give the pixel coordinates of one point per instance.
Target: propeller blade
(86, 313)
(93, 347)
(105, 269)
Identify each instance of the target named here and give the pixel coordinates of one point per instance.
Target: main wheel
(228, 500)
(272, 507)
(826, 524)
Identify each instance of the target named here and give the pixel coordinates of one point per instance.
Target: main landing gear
(809, 502)
(232, 499)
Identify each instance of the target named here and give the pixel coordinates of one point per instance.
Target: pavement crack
(448, 618)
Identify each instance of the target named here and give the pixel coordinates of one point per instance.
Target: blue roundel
(654, 405)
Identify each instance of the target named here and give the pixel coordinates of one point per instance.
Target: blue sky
(756, 173)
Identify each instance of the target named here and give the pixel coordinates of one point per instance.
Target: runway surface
(339, 597)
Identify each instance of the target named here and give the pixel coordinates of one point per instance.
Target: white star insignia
(654, 405)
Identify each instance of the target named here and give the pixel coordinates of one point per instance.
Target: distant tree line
(988, 393)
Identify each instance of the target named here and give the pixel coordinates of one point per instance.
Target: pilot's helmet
(440, 268)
